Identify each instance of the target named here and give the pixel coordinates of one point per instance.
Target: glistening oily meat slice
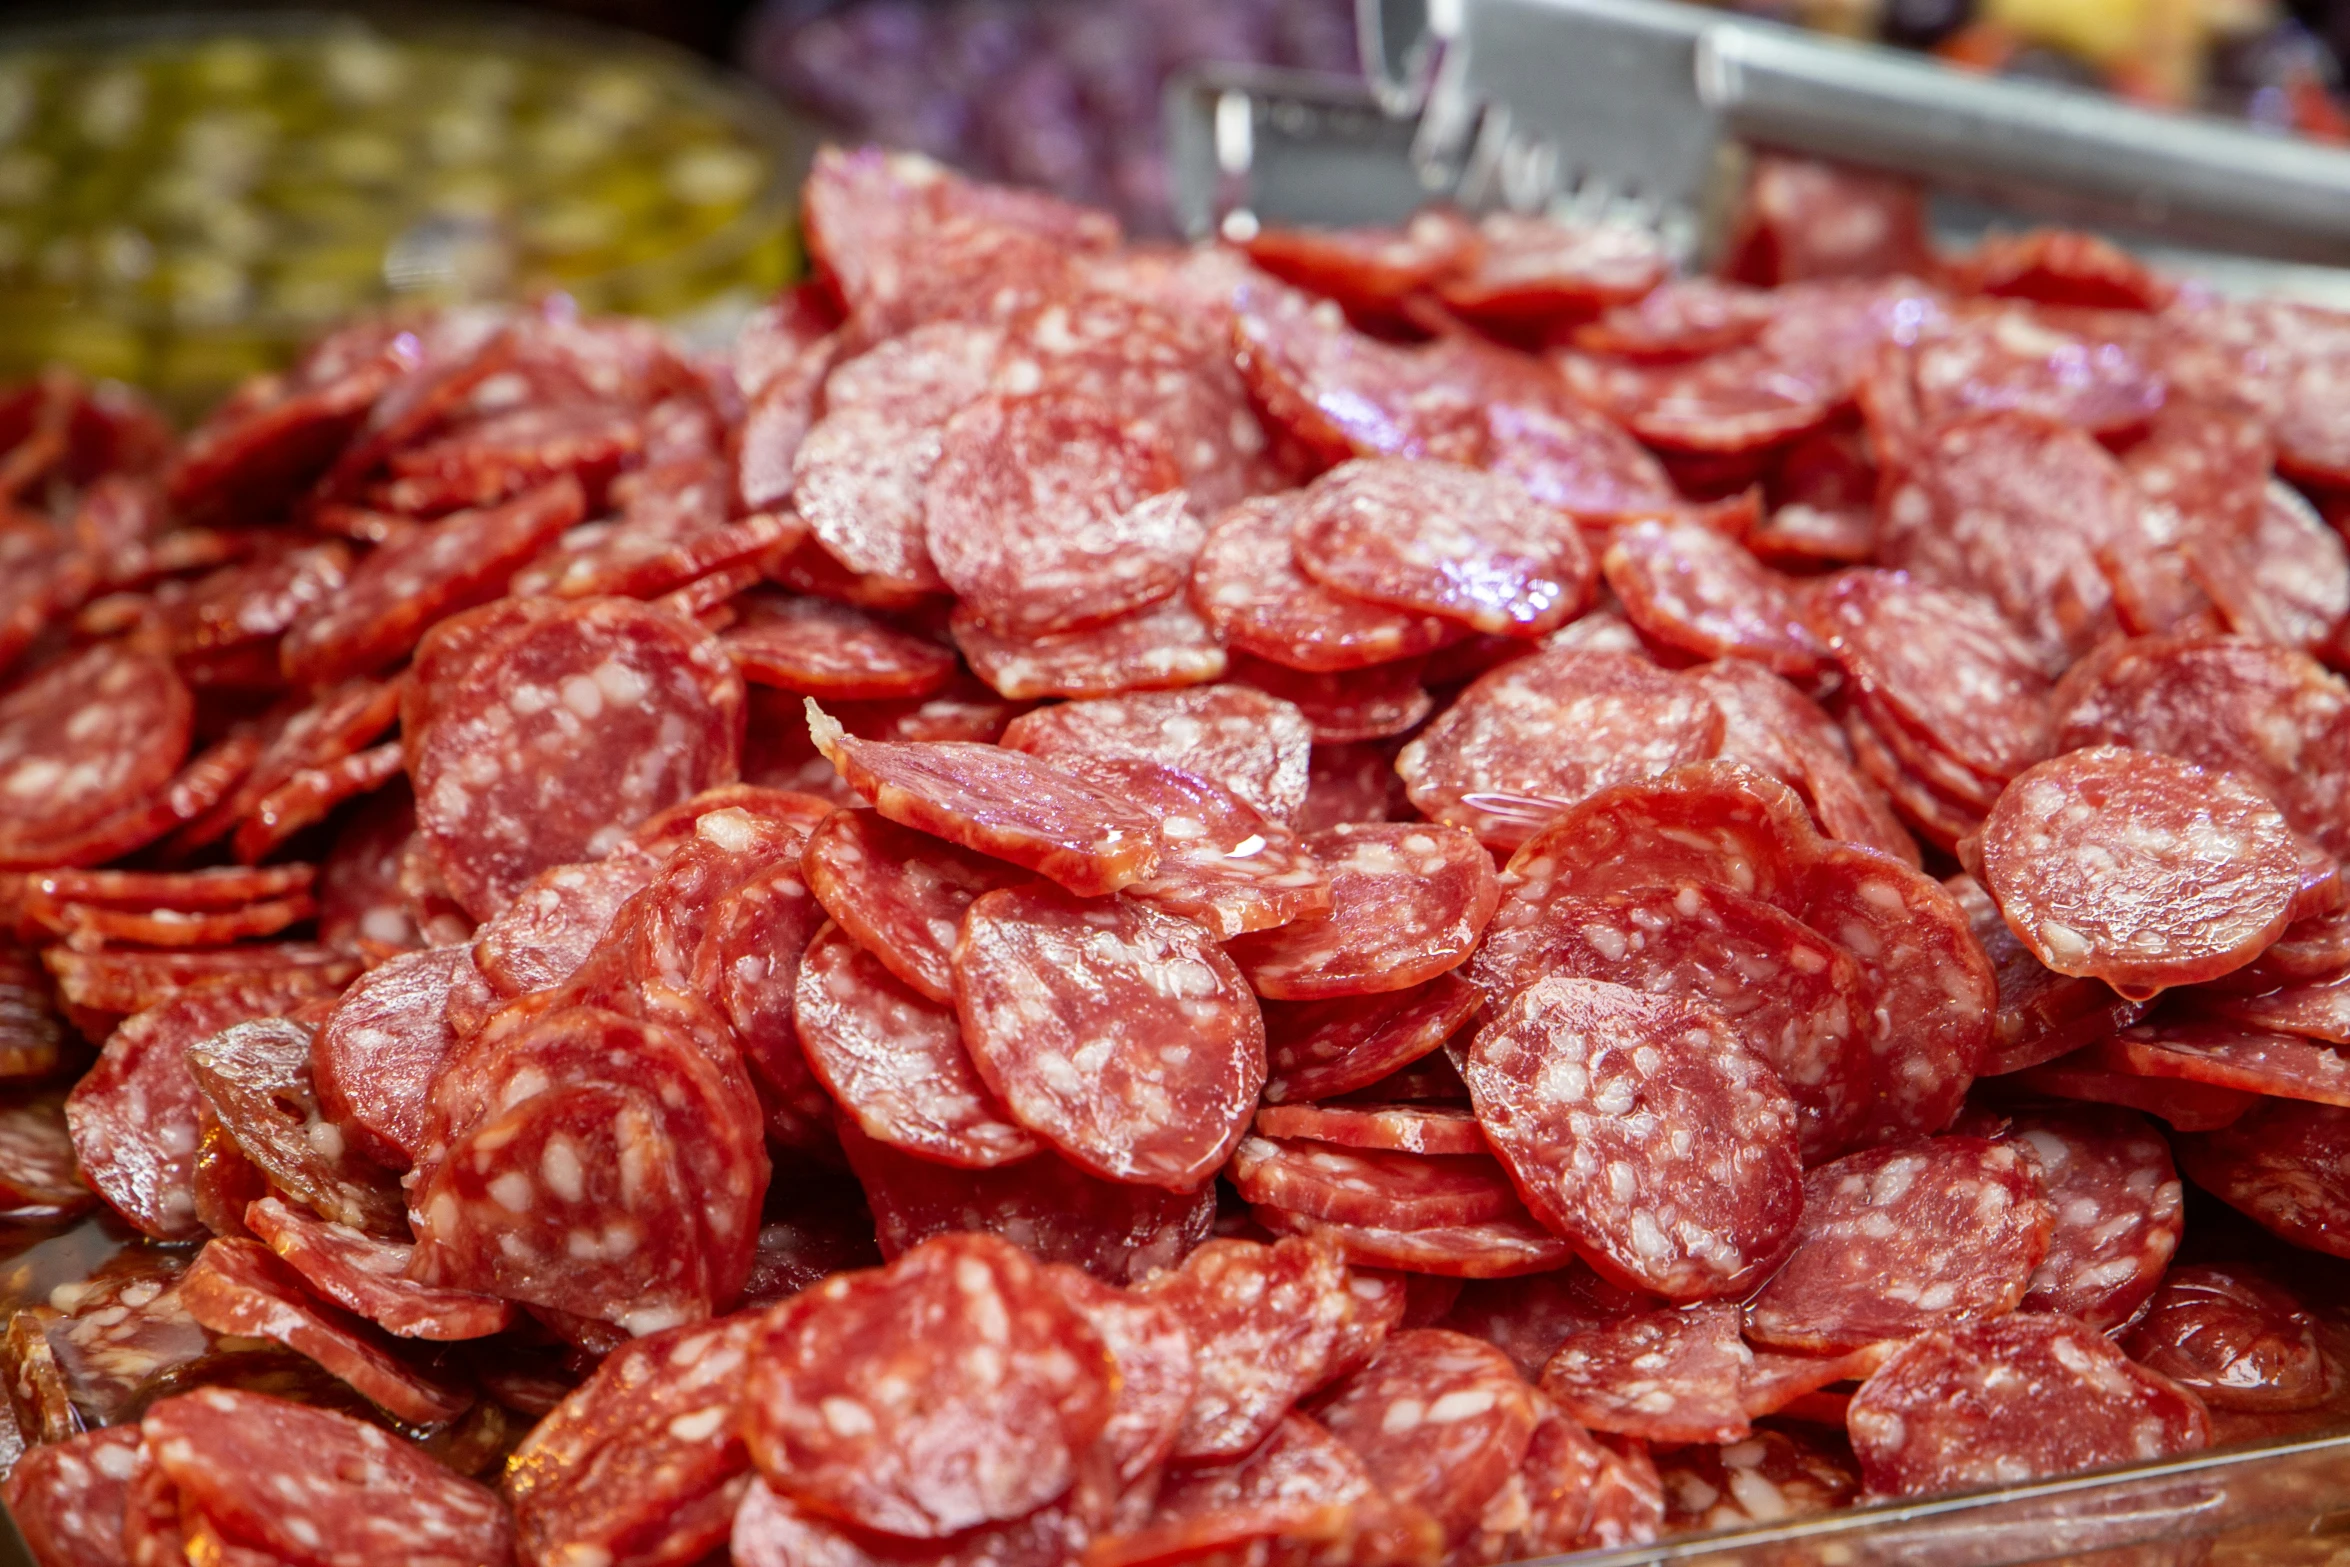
(1536, 735)
(38, 1178)
(1795, 998)
(895, 1061)
(1642, 1129)
(1366, 1186)
(999, 802)
(2282, 1164)
(369, 1276)
(1122, 1036)
(900, 893)
(2118, 1208)
(1441, 539)
(1416, 1129)
(1255, 745)
(374, 1058)
(1360, 704)
(1408, 903)
(1504, 1248)
(556, 921)
(1687, 587)
(1157, 1366)
(835, 651)
(2233, 1055)
(2235, 1337)
(1776, 1476)
(2016, 358)
(1160, 647)
(748, 967)
(2019, 1398)
(256, 1077)
(953, 1388)
(1897, 1240)
(1663, 1376)
(1440, 1420)
(1248, 585)
(553, 741)
(2042, 1014)
(68, 1497)
(1319, 1049)
(81, 739)
(2140, 870)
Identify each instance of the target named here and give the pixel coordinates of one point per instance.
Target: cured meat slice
(1360, 704)
(1122, 1036)
(773, 1531)
(67, 1498)
(2021, 1398)
(2042, 1014)
(1318, 1049)
(1368, 270)
(1531, 270)
(2202, 879)
(1371, 1187)
(83, 738)
(2284, 1066)
(320, 737)
(642, 1463)
(2118, 1208)
(1045, 513)
(556, 921)
(400, 589)
(1663, 1376)
(1416, 1129)
(1794, 998)
(1350, 783)
(2088, 1075)
(1248, 585)
(502, 763)
(819, 648)
(2013, 508)
(133, 1115)
(1681, 318)
(2313, 947)
(998, 802)
(1808, 218)
(2281, 1163)
(1150, 1344)
(952, 1388)
(2203, 467)
(1696, 1135)
(239, 1287)
(37, 1174)
(1773, 1477)
(1333, 393)
(374, 1060)
(1220, 863)
(2061, 267)
(2283, 580)
(1895, 1241)
(672, 532)
(313, 1486)
(1687, 587)
(1265, 1325)
(128, 980)
(900, 893)
(1114, 1231)
(895, 1061)
(2234, 1337)
(1408, 902)
(1441, 539)
(1162, 646)
(2268, 714)
(1535, 736)
(748, 965)
(2017, 359)
(368, 1276)
(1708, 822)
(221, 888)
(256, 1077)
(1773, 728)
(576, 1198)
(1932, 994)
(1253, 744)
(1440, 1420)
(32, 1035)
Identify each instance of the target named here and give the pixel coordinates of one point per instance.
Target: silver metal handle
(2083, 154)
(1399, 47)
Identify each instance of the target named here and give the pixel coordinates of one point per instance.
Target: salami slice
(1809, 218)
(127, 980)
(1360, 704)
(1933, 996)
(1773, 728)
(1898, 1240)
(2234, 1337)
(1773, 1477)
(2089, 1076)
(68, 1497)
(1368, 270)
(1440, 1420)
(1577, 1075)
(374, 1060)
(868, 1396)
(1253, 744)
(998, 802)
(1535, 736)
(1444, 540)
(1408, 903)
(643, 1461)
(819, 648)
(2042, 1014)
(403, 587)
(2118, 1209)
(1160, 647)
(1664, 1376)
(369, 1277)
(256, 1077)
(1413, 1129)
(2280, 1164)
(895, 1060)
(1687, 587)
(1529, 1318)
(1504, 1248)
(1794, 998)
(2020, 1398)
(1248, 585)
(1358, 1186)
(1350, 783)
(748, 965)
(1151, 1346)
(239, 1287)
(1708, 822)
(83, 738)
(32, 1035)
(1122, 1036)
(133, 1115)
(1115, 1231)
(2016, 358)
(900, 893)
(501, 789)
(1530, 270)
(2253, 1060)
(1318, 1049)
(1220, 863)
(556, 921)
(310, 1485)
(2204, 879)
(37, 1174)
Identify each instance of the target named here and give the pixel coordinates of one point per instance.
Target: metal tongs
(1641, 109)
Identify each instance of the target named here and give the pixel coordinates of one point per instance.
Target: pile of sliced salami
(1390, 899)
